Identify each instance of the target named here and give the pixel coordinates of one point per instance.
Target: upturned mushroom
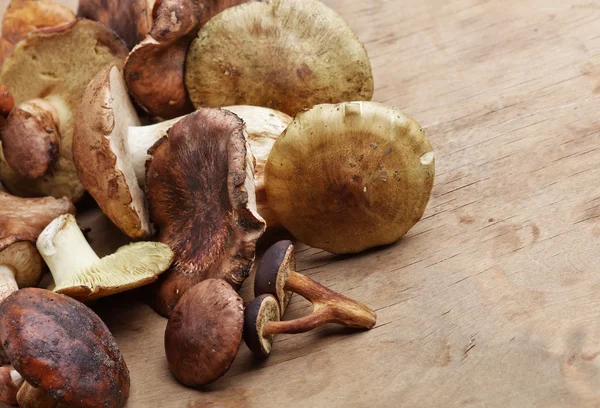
(35, 154)
(110, 150)
(287, 55)
(154, 70)
(10, 382)
(25, 16)
(204, 333)
(367, 188)
(200, 187)
(276, 280)
(78, 272)
(63, 351)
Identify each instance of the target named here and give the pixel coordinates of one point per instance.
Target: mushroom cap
(100, 153)
(204, 333)
(273, 272)
(59, 62)
(25, 16)
(318, 59)
(7, 102)
(200, 189)
(58, 344)
(131, 19)
(262, 310)
(10, 382)
(368, 187)
(21, 222)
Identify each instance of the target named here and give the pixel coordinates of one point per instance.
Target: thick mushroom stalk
(31, 136)
(32, 397)
(80, 273)
(10, 382)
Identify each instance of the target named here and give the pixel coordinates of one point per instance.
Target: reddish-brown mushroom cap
(59, 345)
(200, 189)
(262, 310)
(204, 333)
(10, 382)
(273, 270)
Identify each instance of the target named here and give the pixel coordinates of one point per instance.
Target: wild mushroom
(7, 103)
(35, 155)
(204, 333)
(10, 382)
(63, 350)
(110, 150)
(25, 16)
(367, 188)
(131, 20)
(200, 188)
(154, 70)
(287, 55)
(78, 272)
(276, 280)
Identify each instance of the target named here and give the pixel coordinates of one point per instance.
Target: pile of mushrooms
(194, 125)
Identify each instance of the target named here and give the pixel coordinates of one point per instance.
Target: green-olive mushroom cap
(283, 54)
(368, 187)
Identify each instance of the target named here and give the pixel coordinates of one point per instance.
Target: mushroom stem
(10, 382)
(8, 283)
(31, 397)
(65, 250)
(31, 137)
(329, 307)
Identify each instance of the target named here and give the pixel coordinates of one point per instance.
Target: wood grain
(491, 300)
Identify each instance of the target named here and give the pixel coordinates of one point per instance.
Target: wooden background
(492, 299)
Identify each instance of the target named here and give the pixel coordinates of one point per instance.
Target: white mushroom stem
(8, 283)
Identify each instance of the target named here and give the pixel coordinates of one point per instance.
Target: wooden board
(492, 299)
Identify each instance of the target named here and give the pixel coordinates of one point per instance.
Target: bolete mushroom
(200, 189)
(204, 333)
(283, 54)
(63, 351)
(78, 272)
(59, 62)
(368, 187)
(25, 16)
(110, 150)
(276, 280)
(131, 20)
(154, 70)
(10, 382)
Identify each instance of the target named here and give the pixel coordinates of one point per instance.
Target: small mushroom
(368, 187)
(110, 150)
(204, 333)
(200, 187)
(154, 69)
(276, 280)
(25, 16)
(131, 20)
(10, 382)
(7, 103)
(63, 351)
(78, 272)
(287, 55)
(35, 154)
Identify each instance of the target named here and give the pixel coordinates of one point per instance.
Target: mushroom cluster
(194, 125)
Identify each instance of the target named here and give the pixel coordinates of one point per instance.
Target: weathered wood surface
(492, 299)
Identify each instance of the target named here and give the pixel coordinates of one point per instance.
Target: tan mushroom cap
(100, 153)
(59, 63)
(349, 177)
(282, 54)
(25, 16)
(131, 20)
(21, 222)
(79, 273)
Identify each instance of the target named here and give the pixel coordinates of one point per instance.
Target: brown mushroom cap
(131, 20)
(287, 55)
(273, 272)
(25, 16)
(204, 333)
(60, 345)
(368, 187)
(59, 63)
(100, 153)
(200, 189)
(262, 310)
(10, 381)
